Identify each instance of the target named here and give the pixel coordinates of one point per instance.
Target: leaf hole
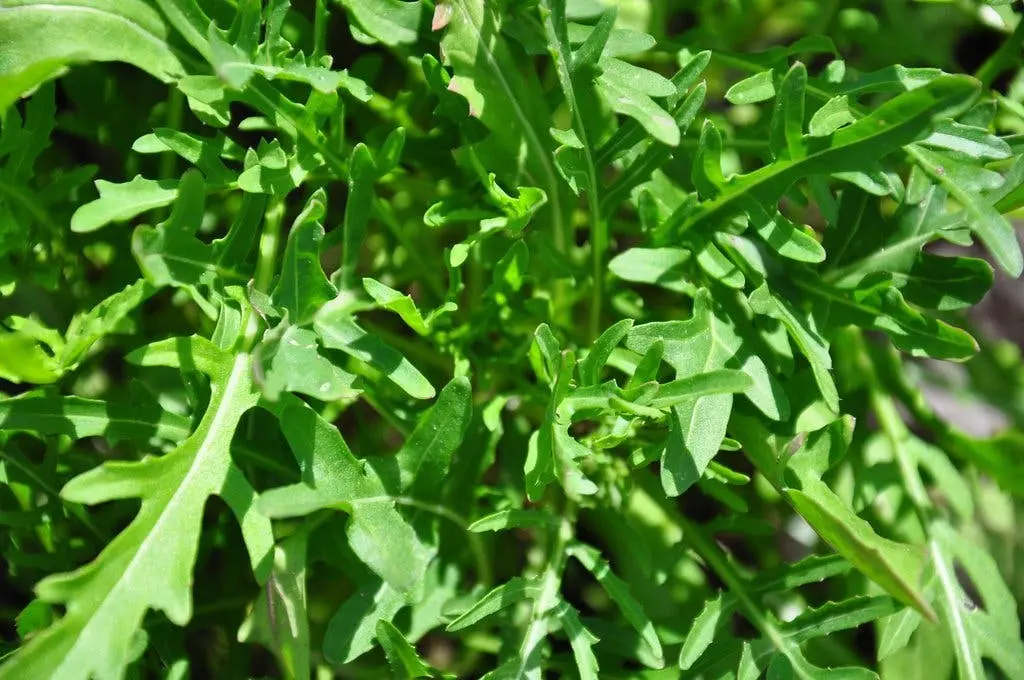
(259, 444)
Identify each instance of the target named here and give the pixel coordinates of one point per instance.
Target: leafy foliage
(507, 339)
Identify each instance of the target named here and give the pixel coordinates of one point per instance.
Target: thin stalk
(175, 108)
(1007, 55)
(320, 17)
(719, 563)
(557, 29)
(551, 585)
(266, 265)
(895, 431)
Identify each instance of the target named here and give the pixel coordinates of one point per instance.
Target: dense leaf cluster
(506, 339)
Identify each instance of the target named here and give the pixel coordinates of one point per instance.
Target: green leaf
(630, 133)
(279, 618)
(45, 38)
(235, 68)
(392, 300)
(786, 140)
(580, 639)
(333, 477)
(486, 74)
(628, 90)
(552, 452)
(392, 22)
(402, 657)
(194, 353)
(707, 174)
(655, 155)
(789, 240)
(501, 597)
(834, 114)
(122, 202)
(353, 628)
(894, 124)
(978, 629)
(87, 329)
(660, 266)
(358, 208)
(149, 564)
(757, 88)
(424, 458)
(77, 417)
(591, 365)
(303, 287)
(802, 329)
(855, 252)
(897, 567)
(204, 153)
(36, 616)
(619, 592)
(290, 361)
(268, 169)
(593, 46)
(721, 381)
(832, 617)
(984, 220)
(876, 303)
(171, 255)
(704, 343)
(337, 330)
(969, 141)
(510, 271)
(718, 610)
(515, 519)
(945, 283)
(509, 101)
(703, 630)
(23, 359)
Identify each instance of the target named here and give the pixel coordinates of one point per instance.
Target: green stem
(557, 29)
(551, 585)
(320, 17)
(719, 563)
(895, 431)
(266, 265)
(1007, 55)
(175, 107)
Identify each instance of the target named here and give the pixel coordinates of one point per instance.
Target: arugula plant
(506, 339)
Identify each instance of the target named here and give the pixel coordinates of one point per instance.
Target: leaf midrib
(210, 444)
(550, 176)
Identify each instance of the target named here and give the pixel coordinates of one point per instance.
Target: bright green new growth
(536, 341)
